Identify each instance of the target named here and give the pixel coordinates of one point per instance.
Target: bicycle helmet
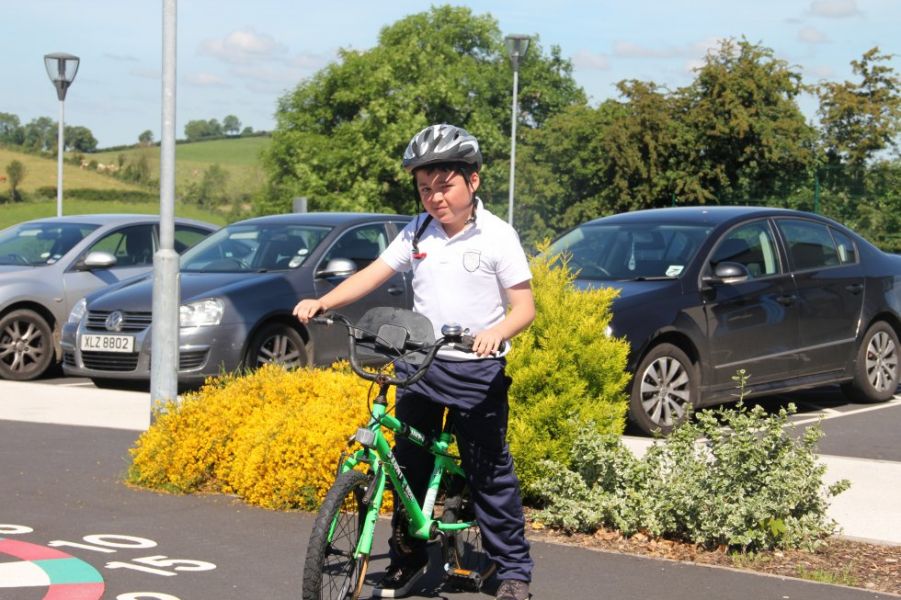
(441, 144)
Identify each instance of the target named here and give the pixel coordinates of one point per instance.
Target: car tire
(26, 345)
(876, 369)
(665, 384)
(276, 343)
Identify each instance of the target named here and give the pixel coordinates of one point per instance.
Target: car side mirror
(338, 267)
(727, 273)
(97, 260)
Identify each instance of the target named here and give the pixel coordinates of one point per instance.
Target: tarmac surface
(64, 451)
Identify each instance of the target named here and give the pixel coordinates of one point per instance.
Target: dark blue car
(794, 299)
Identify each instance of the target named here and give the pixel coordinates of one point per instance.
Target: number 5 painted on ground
(177, 564)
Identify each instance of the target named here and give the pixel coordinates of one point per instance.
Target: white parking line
(831, 413)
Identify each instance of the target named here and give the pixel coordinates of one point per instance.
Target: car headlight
(78, 311)
(201, 313)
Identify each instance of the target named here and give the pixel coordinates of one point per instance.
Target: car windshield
(630, 251)
(38, 244)
(246, 248)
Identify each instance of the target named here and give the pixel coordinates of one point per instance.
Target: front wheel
(466, 564)
(664, 388)
(876, 367)
(276, 343)
(26, 345)
(332, 570)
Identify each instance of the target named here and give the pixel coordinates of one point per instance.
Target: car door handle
(854, 288)
(395, 291)
(786, 299)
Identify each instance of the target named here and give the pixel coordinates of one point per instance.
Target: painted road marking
(22, 574)
(66, 577)
(835, 414)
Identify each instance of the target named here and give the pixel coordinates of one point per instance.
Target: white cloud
(205, 80)
(822, 71)
(809, 35)
(243, 46)
(630, 50)
(834, 9)
(121, 57)
(583, 59)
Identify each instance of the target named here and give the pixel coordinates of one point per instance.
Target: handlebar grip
(322, 319)
(465, 344)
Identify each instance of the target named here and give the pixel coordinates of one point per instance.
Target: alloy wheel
(665, 391)
(280, 349)
(23, 347)
(882, 362)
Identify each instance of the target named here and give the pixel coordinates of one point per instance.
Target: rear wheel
(876, 369)
(26, 345)
(276, 343)
(467, 566)
(331, 570)
(665, 385)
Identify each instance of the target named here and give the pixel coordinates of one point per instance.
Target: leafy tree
(79, 138)
(861, 119)
(247, 130)
(211, 190)
(749, 140)
(200, 129)
(11, 131)
(15, 173)
(40, 135)
(340, 135)
(146, 138)
(231, 125)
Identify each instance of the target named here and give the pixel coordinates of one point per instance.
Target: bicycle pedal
(462, 578)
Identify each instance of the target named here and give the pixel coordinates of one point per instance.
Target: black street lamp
(61, 68)
(517, 46)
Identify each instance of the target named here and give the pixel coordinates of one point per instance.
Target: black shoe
(400, 579)
(513, 589)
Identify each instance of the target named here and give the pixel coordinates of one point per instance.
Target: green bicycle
(342, 538)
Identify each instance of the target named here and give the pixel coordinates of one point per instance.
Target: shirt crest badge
(471, 260)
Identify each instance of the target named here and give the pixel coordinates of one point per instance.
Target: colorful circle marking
(64, 576)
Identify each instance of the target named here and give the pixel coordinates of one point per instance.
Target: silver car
(238, 288)
(48, 265)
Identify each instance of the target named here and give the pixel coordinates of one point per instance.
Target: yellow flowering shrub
(273, 437)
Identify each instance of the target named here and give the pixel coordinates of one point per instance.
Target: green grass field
(41, 172)
(239, 157)
(11, 214)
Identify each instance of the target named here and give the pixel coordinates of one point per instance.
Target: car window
(847, 252)
(36, 244)
(361, 245)
(132, 246)
(810, 245)
(187, 236)
(630, 250)
(751, 245)
(257, 247)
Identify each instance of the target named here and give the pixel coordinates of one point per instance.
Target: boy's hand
(307, 309)
(487, 342)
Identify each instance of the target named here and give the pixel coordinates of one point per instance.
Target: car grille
(110, 361)
(131, 321)
(193, 359)
(69, 359)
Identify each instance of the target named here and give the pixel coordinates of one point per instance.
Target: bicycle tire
(467, 565)
(330, 570)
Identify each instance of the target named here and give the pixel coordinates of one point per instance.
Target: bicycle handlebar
(461, 342)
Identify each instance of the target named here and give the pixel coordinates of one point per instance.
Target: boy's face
(447, 195)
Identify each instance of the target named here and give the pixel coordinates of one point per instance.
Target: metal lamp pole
(517, 46)
(61, 68)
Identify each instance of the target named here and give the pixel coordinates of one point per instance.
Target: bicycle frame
(377, 453)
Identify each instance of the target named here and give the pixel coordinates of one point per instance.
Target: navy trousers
(476, 393)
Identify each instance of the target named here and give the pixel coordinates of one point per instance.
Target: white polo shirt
(461, 279)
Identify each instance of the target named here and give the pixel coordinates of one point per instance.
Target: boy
(468, 266)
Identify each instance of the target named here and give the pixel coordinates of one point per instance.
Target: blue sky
(238, 57)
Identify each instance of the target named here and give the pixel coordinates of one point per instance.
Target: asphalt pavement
(71, 529)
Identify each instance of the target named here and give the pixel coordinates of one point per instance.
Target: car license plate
(107, 343)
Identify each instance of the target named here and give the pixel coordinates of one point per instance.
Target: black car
(794, 299)
(238, 288)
